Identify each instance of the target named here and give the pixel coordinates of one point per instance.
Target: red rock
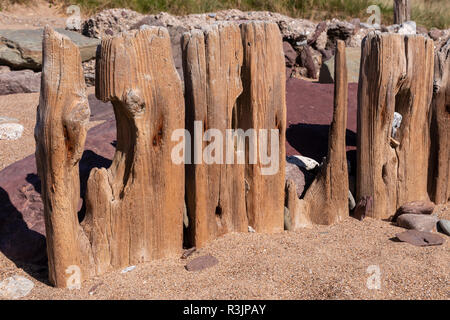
(420, 238)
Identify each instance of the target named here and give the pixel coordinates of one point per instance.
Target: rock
(363, 206)
(185, 217)
(303, 162)
(10, 131)
(294, 173)
(289, 54)
(287, 219)
(128, 269)
(89, 72)
(444, 226)
(15, 287)
(422, 30)
(251, 230)
(22, 49)
(319, 38)
(396, 123)
(351, 201)
(417, 222)
(415, 207)
(339, 30)
(420, 238)
(201, 263)
(408, 27)
(305, 59)
(110, 22)
(24, 81)
(353, 56)
(188, 252)
(435, 34)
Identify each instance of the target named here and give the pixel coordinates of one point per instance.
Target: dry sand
(319, 263)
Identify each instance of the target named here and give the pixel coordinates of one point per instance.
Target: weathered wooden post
(262, 105)
(396, 75)
(135, 208)
(215, 191)
(402, 11)
(60, 133)
(326, 200)
(440, 184)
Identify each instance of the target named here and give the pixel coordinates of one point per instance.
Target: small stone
(303, 162)
(408, 27)
(10, 131)
(201, 263)
(289, 54)
(294, 173)
(351, 201)
(420, 238)
(435, 34)
(185, 217)
(128, 269)
(444, 226)
(396, 123)
(363, 206)
(417, 222)
(250, 229)
(188, 252)
(414, 207)
(15, 287)
(287, 219)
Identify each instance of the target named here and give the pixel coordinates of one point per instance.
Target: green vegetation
(428, 13)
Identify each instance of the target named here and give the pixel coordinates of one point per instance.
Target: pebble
(351, 201)
(201, 263)
(250, 229)
(128, 269)
(303, 162)
(15, 287)
(444, 226)
(417, 222)
(10, 131)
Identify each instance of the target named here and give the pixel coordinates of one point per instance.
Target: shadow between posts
(22, 227)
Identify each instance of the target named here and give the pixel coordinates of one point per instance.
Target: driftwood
(60, 133)
(396, 75)
(215, 192)
(262, 105)
(326, 200)
(134, 209)
(440, 186)
(402, 11)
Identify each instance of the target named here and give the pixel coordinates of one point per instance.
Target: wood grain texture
(402, 11)
(60, 133)
(326, 200)
(262, 105)
(135, 208)
(215, 192)
(396, 75)
(440, 183)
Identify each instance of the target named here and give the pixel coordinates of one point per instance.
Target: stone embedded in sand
(201, 263)
(444, 226)
(417, 222)
(10, 131)
(414, 207)
(363, 206)
(420, 238)
(15, 287)
(23, 81)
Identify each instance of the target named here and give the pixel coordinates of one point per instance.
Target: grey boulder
(418, 222)
(444, 226)
(22, 49)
